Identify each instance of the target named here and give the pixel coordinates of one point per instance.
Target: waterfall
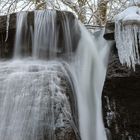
(21, 29)
(90, 69)
(45, 36)
(32, 104)
(40, 94)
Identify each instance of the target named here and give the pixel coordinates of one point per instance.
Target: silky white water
(90, 70)
(45, 36)
(30, 100)
(33, 102)
(20, 34)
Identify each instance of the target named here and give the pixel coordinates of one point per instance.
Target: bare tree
(101, 13)
(94, 12)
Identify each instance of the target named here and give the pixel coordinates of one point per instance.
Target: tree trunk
(102, 12)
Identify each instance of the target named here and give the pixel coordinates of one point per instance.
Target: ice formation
(127, 36)
(7, 27)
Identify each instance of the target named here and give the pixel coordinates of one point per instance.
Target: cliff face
(121, 100)
(7, 46)
(66, 127)
(121, 97)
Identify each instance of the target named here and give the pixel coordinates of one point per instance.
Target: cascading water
(45, 36)
(33, 101)
(20, 33)
(90, 69)
(31, 97)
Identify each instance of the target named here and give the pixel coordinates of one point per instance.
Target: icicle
(127, 36)
(7, 26)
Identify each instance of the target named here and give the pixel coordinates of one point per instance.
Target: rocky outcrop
(121, 100)
(7, 38)
(109, 31)
(7, 45)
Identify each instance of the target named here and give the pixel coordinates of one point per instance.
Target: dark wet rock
(65, 133)
(121, 100)
(7, 47)
(109, 31)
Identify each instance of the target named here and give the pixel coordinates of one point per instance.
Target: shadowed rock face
(6, 47)
(121, 100)
(109, 31)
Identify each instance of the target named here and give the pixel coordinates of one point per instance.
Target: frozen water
(127, 36)
(7, 26)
